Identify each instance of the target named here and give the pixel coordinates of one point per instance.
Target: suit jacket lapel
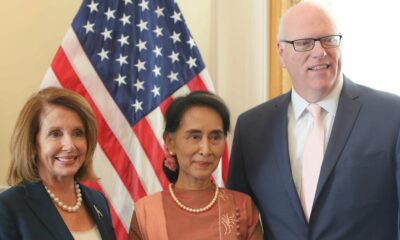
(40, 203)
(95, 211)
(345, 119)
(283, 158)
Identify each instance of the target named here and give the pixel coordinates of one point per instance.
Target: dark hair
(180, 105)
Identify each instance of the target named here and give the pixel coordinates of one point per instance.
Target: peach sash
(151, 218)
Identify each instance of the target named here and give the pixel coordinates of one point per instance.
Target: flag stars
(156, 91)
(137, 105)
(159, 11)
(158, 31)
(141, 45)
(93, 6)
(142, 25)
(173, 76)
(120, 80)
(191, 62)
(125, 19)
(174, 56)
(157, 51)
(140, 65)
(122, 60)
(110, 14)
(157, 71)
(89, 27)
(175, 37)
(177, 17)
(127, 2)
(106, 34)
(191, 42)
(103, 54)
(138, 85)
(123, 40)
(144, 5)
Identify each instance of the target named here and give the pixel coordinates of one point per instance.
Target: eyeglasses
(307, 44)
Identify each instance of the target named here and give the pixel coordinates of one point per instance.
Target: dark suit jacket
(27, 212)
(358, 189)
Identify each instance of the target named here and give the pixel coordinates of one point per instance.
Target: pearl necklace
(63, 206)
(194, 210)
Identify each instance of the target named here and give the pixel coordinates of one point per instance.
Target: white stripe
(205, 77)
(50, 80)
(217, 175)
(181, 91)
(110, 111)
(156, 122)
(113, 187)
(156, 118)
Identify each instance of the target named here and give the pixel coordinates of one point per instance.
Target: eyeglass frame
(313, 43)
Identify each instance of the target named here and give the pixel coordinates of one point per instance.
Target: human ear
(281, 52)
(169, 142)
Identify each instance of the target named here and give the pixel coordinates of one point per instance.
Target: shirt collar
(329, 103)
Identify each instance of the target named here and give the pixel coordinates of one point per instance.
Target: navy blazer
(358, 190)
(27, 212)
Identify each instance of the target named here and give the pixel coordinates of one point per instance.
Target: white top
(300, 121)
(92, 234)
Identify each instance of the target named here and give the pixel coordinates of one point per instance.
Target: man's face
(314, 73)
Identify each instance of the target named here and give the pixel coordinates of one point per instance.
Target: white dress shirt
(300, 121)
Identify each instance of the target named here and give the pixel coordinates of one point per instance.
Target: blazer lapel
(345, 119)
(40, 203)
(283, 158)
(95, 210)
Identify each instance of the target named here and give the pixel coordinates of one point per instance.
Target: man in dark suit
(357, 188)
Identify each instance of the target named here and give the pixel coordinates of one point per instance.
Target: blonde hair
(23, 147)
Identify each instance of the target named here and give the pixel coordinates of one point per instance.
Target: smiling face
(198, 144)
(315, 72)
(61, 144)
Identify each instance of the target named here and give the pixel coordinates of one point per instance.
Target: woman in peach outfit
(193, 206)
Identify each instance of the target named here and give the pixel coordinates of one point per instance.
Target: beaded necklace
(63, 206)
(194, 210)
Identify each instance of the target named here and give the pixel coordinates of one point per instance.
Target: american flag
(129, 59)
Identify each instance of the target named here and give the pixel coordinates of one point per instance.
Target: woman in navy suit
(51, 151)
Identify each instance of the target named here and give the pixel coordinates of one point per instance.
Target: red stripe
(119, 229)
(152, 148)
(107, 140)
(165, 104)
(197, 84)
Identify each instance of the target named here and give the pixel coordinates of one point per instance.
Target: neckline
(190, 209)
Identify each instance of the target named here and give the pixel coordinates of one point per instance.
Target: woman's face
(198, 144)
(61, 143)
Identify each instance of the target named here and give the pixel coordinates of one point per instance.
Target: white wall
(31, 32)
(370, 41)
